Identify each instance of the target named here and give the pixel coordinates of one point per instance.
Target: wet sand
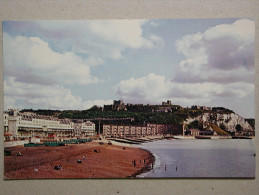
(111, 162)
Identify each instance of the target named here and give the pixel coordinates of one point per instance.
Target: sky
(78, 64)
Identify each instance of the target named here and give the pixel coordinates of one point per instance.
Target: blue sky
(78, 64)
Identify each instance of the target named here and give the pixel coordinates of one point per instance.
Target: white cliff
(229, 120)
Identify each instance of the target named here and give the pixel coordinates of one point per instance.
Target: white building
(24, 125)
(88, 128)
(77, 128)
(28, 124)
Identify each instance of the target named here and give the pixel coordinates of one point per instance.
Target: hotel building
(28, 124)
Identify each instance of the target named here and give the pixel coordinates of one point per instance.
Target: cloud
(96, 38)
(218, 67)
(43, 58)
(141, 90)
(26, 75)
(154, 89)
(9, 102)
(31, 60)
(18, 95)
(125, 32)
(222, 54)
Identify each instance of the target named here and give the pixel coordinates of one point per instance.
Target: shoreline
(112, 161)
(146, 168)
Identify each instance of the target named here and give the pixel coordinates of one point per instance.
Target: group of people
(165, 167)
(134, 163)
(152, 164)
(140, 161)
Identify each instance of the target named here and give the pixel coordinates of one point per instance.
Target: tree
(195, 125)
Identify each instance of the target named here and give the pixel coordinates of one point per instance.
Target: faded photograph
(160, 98)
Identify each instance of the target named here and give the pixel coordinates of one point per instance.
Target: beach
(96, 161)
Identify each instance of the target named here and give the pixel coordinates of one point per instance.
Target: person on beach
(57, 167)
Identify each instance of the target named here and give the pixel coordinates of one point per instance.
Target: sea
(202, 158)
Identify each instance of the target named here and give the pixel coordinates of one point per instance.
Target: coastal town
(22, 125)
(93, 99)
(36, 141)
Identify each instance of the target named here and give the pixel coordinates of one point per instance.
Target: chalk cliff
(229, 121)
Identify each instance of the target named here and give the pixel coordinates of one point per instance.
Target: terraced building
(20, 125)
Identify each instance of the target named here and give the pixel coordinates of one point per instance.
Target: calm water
(202, 158)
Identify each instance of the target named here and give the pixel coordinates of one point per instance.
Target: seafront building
(127, 131)
(22, 125)
(141, 131)
(82, 128)
(88, 129)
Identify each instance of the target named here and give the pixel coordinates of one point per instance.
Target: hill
(218, 130)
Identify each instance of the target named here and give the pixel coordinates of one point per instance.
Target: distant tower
(117, 103)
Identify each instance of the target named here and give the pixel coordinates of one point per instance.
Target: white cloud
(35, 55)
(91, 61)
(97, 38)
(18, 95)
(219, 66)
(157, 41)
(242, 29)
(52, 55)
(154, 89)
(146, 89)
(9, 102)
(222, 54)
(126, 32)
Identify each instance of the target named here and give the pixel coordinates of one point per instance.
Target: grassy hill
(218, 130)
